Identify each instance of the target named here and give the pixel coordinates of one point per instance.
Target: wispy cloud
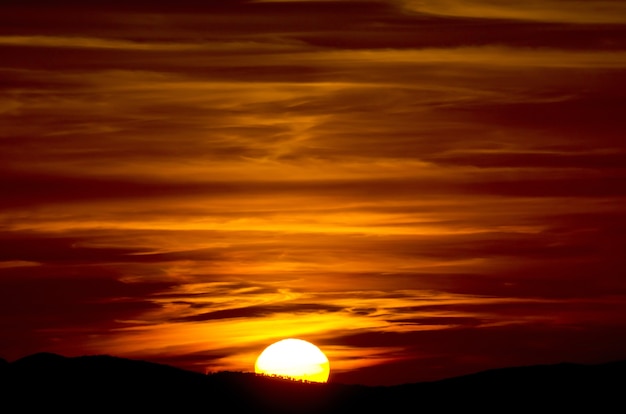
(571, 11)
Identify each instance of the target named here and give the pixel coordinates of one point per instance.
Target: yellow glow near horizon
(294, 359)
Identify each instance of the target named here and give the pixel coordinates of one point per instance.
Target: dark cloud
(438, 321)
(56, 308)
(365, 24)
(29, 189)
(261, 311)
(536, 160)
(35, 188)
(472, 350)
(55, 249)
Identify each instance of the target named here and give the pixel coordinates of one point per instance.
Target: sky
(423, 189)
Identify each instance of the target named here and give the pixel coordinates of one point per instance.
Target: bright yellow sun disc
(294, 359)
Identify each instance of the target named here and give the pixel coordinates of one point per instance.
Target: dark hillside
(82, 384)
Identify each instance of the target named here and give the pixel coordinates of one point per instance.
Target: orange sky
(421, 188)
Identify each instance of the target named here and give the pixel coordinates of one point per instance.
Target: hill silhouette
(95, 383)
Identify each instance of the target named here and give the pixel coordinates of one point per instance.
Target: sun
(294, 359)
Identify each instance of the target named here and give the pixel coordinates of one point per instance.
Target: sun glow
(294, 359)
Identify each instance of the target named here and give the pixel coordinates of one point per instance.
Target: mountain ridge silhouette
(46, 380)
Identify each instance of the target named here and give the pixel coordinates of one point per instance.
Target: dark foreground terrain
(97, 383)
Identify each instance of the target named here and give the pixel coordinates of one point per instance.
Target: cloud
(260, 311)
(572, 11)
(58, 307)
(597, 161)
(474, 350)
(88, 43)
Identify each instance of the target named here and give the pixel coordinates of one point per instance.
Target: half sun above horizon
(294, 359)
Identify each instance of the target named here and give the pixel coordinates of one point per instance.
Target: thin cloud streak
(89, 43)
(570, 11)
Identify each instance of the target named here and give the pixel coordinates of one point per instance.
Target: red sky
(421, 188)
